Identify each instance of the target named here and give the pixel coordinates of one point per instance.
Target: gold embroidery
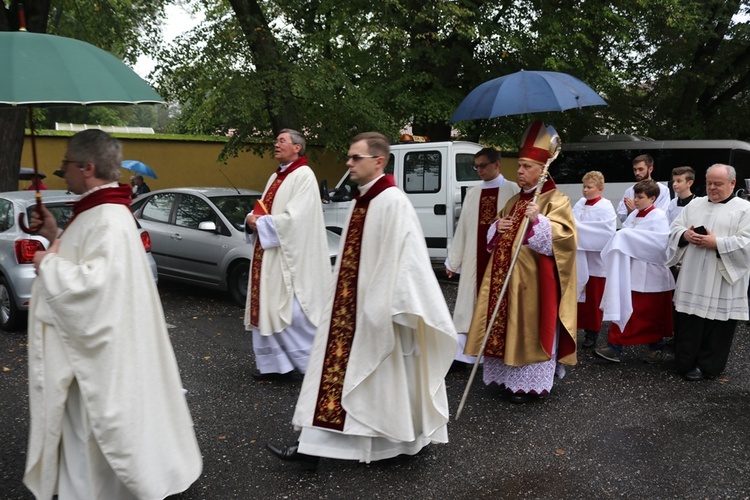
(328, 412)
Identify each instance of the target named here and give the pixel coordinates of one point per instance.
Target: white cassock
(462, 255)
(296, 270)
(394, 388)
(108, 415)
(708, 286)
(595, 225)
(635, 260)
(662, 201)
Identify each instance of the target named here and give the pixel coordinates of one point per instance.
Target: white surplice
(710, 286)
(462, 255)
(394, 388)
(295, 272)
(96, 327)
(595, 224)
(635, 260)
(662, 201)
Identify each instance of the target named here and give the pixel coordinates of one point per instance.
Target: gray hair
(731, 172)
(97, 147)
(297, 138)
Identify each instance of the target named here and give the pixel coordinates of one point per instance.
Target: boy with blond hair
(596, 222)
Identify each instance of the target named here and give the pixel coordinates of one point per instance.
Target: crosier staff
(555, 144)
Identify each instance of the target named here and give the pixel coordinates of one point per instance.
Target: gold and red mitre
(535, 144)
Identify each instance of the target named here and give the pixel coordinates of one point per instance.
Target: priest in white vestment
(596, 223)
(638, 291)
(375, 384)
(468, 255)
(643, 167)
(711, 239)
(290, 267)
(109, 419)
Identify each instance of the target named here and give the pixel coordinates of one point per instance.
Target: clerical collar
(494, 183)
(97, 188)
(681, 202)
(723, 201)
(645, 211)
(594, 201)
(363, 189)
(284, 166)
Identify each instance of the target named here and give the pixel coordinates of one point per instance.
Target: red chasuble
(548, 285)
(268, 197)
(329, 413)
(487, 215)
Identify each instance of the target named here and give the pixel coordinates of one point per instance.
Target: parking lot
(605, 431)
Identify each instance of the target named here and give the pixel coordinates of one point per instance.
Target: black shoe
(589, 341)
(291, 454)
(272, 376)
(522, 397)
(458, 366)
(694, 375)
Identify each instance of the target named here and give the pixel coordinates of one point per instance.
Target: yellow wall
(180, 163)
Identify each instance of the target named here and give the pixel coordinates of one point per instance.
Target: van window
(422, 172)
(465, 168)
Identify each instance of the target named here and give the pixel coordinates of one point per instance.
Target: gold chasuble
(268, 197)
(329, 413)
(487, 215)
(541, 291)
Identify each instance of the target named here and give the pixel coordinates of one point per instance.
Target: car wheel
(237, 281)
(9, 313)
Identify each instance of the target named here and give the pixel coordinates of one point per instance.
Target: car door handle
(176, 236)
(439, 209)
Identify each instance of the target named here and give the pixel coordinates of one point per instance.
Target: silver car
(17, 249)
(197, 235)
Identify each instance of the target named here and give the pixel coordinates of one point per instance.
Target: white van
(434, 175)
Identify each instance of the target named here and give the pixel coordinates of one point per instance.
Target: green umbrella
(47, 70)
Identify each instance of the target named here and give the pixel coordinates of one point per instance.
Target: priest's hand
(43, 224)
(39, 256)
(532, 211)
(504, 224)
(251, 221)
(707, 240)
(448, 272)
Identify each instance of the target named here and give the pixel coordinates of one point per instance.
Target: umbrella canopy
(27, 174)
(48, 70)
(526, 92)
(139, 168)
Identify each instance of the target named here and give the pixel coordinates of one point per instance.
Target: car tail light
(25, 250)
(146, 239)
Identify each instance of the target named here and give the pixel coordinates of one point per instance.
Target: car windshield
(63, 212)
(235, 208)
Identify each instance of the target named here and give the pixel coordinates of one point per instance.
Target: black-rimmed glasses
(477, 166)
(356, 158)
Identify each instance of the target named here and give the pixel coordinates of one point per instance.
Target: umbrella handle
(22, 216)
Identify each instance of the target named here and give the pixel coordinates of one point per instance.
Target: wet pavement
(606, 430)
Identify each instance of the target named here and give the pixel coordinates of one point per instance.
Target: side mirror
(208, 226)
(324, 195)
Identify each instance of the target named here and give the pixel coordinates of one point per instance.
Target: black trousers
(704, 343)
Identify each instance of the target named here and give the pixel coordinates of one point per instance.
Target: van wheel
(9, 313)
(237, 281)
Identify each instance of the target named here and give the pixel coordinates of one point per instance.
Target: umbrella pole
(21, 216)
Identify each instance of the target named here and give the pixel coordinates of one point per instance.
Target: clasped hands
(506, 223)
(701, 240)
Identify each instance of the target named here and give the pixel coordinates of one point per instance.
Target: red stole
(329, 413)
(268, 198)
(120, 195)
(501, 258)
(487, 215)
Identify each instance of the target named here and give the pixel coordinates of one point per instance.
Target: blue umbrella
(139, 168)
(526, 92)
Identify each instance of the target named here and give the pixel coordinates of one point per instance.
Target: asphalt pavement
(605, 431)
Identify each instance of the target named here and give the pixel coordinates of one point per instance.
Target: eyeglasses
(64, 162)
(481, 165)
(356, 158)
(282, 141)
